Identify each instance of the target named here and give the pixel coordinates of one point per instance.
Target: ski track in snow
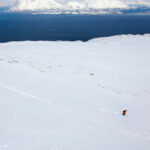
(114, 78)
(33, 97)
(44, 101)
(135, 135)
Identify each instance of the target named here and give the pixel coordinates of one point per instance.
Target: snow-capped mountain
(104, 4)
(74, 5)
(34, 5)
(82, 7)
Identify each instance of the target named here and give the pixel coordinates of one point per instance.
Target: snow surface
(70, 95)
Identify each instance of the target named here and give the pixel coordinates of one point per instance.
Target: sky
(7, 2)
(4, 3)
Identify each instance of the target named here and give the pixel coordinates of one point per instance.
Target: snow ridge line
(44, 101)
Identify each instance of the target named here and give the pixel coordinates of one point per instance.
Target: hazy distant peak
(99, 4)
(138, 2)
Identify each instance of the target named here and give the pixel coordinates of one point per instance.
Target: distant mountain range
(76, 7)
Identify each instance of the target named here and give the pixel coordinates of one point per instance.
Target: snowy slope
(70, 95)
(35, 5)
(78, 7)
(104, 4)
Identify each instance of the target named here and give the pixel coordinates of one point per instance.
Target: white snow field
(70, 95)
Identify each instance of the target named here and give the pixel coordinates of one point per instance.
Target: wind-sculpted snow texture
(70, 95)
